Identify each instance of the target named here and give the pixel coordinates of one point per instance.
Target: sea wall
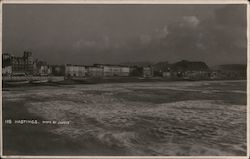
(32, 78)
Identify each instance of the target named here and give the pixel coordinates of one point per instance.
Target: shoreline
(111, 80)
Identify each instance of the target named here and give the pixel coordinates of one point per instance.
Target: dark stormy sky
(86, 34)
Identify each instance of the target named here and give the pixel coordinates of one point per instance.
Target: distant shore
(57, 81)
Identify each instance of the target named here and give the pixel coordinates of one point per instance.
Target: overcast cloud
(86, 34)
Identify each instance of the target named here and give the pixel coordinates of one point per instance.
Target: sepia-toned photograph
(124, 79)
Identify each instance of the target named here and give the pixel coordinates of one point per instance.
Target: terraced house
(94, 71)
(114, 70)
(75, 70)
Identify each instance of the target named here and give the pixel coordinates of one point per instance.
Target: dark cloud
(209, 40)
(86, 34)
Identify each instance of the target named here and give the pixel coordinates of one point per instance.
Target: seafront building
(58, 70)
(94, 71)
(18, 65)
(75, 70)
(41, 68)
(24, 65)
(188, 70)
(148, 71)
(97, 70)
(114, 70)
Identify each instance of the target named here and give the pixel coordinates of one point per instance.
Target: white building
(94, 71)
(125, 71)
(115, 70)
(75, 70)
(45, 70)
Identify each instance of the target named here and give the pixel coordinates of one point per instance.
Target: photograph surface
(124, 79)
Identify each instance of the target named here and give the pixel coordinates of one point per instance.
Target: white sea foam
(189, 127)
